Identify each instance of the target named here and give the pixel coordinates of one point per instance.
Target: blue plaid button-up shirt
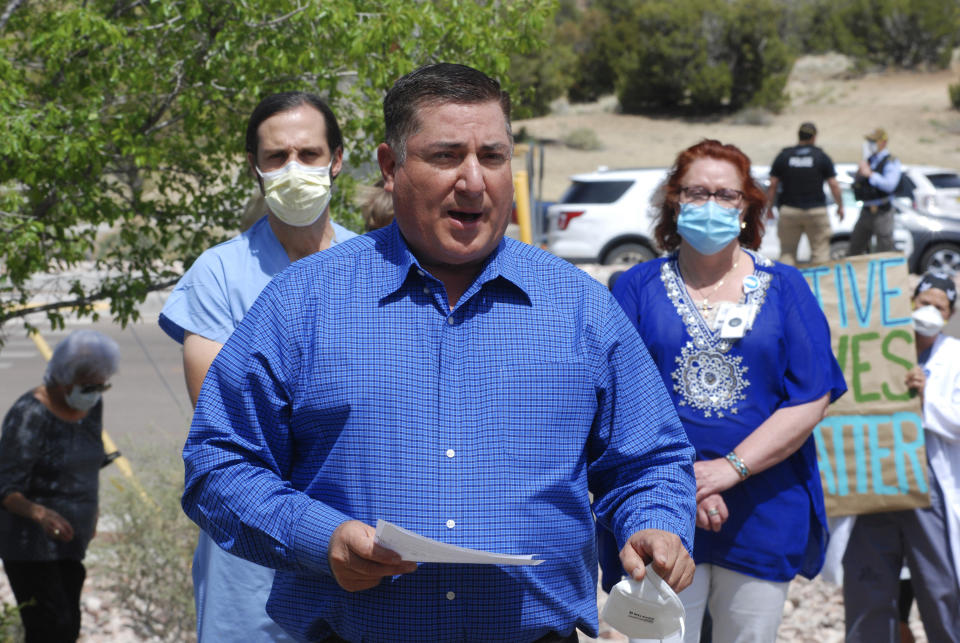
(351, 390)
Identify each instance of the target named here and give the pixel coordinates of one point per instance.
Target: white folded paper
(414, 547)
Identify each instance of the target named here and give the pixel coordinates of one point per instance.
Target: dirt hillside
(913, 107)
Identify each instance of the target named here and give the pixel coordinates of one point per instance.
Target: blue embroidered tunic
(724, 389)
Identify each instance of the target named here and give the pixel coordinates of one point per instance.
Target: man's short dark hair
(807, 131)
(432, 85)
(284, 102)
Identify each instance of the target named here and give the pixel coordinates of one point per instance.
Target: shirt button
(421, 273)
(451, 524)
(450, 320)
(451, 453)
(451, 596)
(426, 291)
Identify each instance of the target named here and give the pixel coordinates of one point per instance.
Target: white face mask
(297, 194)
(649, 609)
(927, 321)
(81, 401)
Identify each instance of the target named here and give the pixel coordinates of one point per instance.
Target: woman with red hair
(745, 352)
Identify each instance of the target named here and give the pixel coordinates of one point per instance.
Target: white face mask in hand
(648, 609)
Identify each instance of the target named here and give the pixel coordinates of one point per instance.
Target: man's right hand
(357, 562)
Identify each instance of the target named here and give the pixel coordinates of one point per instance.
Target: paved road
(146, 409)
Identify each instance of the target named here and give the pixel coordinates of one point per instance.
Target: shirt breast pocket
(546, 413)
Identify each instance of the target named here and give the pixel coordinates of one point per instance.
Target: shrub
(700, 56)
(954, 95)
(751, 116)
(904, 33)
(583, 138)
(11, 628)
(545, 75)
(147, 559)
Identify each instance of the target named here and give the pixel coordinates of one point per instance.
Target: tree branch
(73, 303)
(275, 21)
(12, 6)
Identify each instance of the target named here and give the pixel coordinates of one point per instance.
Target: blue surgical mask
(709, 227)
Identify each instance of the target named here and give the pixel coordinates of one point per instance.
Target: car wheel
(628, 254)
(941, 257)
(839, 249)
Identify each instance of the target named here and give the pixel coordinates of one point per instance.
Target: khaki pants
(813, 222)
(872, 222)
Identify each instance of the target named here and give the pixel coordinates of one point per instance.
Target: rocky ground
(813, 614)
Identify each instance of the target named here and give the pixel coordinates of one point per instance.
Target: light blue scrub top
(210, 300)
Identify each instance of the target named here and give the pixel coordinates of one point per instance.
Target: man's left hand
(668, 555)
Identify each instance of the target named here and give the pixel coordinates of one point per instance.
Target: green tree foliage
(129, 116)
(903, 33)
(593, 75)
(699, 55)
(545, 75)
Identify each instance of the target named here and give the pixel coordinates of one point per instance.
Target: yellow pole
(109, 446)
(521, 194)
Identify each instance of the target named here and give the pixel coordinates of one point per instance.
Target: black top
(802, 169)
(54, 463)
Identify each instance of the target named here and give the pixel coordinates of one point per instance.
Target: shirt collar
(503, 263)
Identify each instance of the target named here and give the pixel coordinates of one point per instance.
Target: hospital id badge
(735, 320)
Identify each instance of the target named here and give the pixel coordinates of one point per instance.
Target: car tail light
(564, 218)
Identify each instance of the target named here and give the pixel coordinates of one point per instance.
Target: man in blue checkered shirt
(459, 384)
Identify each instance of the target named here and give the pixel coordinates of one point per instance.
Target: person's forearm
(781, 435)
(887, 181)
(772, 442)
(772, 192)
(17, 503)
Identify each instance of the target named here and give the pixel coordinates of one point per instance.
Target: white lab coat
(941, 419)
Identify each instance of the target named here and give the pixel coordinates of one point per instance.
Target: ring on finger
(56, 532)
(713, 512)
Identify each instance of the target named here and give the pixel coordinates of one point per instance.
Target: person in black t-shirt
(51, 453)
(798, 173)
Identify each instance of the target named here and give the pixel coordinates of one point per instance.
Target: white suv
(841, 230)
(935, 190)
(605, 216)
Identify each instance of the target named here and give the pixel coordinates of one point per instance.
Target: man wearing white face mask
(927, 540)
(295, 149)
(875, 183)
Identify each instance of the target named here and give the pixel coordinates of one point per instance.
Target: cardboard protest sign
(870, 446)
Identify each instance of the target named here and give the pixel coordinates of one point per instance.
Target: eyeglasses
(698, 195)
(95, 388)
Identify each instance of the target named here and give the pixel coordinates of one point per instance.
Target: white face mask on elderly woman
(80, 400)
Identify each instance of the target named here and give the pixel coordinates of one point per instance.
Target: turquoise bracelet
(738, 465)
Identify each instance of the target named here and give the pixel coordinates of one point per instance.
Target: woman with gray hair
(51, 452)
